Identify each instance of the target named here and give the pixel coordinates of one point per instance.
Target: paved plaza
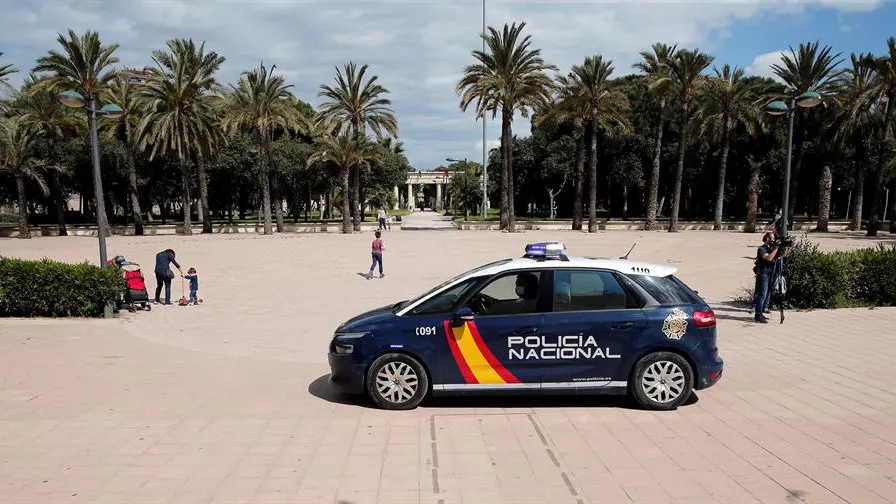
(229, 402)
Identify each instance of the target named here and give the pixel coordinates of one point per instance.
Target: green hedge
(48, 288)
(816, 279)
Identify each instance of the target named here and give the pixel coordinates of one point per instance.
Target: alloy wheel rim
(663, 381)
(397, 382)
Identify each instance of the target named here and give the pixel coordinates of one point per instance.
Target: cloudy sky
(418, 47)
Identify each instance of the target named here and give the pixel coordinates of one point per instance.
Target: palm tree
(567, 108)
(881, 94)
(261, 102)
(41, 110)
(655, 66)
(809, 68)
(178, 116)
(357, 104)
(346, 151)
(856, 125)
(16, 159)
(83, 66)
(510, 76)
(598, 94)
(5, 71)
(122, 92)
(731, 102)
(686, 69)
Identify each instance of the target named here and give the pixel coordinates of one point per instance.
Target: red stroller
(135, 294)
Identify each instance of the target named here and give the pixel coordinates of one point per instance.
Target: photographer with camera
(766, 267)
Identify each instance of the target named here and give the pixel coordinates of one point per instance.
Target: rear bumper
(709, 375)
(346, 373)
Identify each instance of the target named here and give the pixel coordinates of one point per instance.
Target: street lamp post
(484, 148)
(466, 164)
(76, 100)
(808, 99)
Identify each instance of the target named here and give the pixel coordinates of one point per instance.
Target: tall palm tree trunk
(57, 200)
(274, 182)
(858, 195)
(752, 200)
(264, 181)
(507, 200)
(592, 174)
(723, 166)
(879, 173)
(24, 229)
(679, 170)
(356, 198)
(132, 181)
(654, 185)
(202, 175)
(346, 216)
(824, 198)
(579, 189)
(185, 195)
(892, 209)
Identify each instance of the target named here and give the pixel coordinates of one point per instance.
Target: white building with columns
(413, 196)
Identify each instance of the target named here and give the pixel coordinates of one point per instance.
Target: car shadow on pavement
(733, 310)
(322, 389)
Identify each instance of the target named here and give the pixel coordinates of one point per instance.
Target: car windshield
(667, 290)
(401, 306)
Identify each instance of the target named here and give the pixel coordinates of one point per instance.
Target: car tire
(396, 381)
(662, 381)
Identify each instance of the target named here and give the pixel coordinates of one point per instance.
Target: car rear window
(667, 290)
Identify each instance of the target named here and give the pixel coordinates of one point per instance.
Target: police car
(540, 323)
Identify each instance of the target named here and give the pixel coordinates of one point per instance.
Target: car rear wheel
(662, 381)
(397, 381)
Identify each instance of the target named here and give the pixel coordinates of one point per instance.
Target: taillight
(704, 318)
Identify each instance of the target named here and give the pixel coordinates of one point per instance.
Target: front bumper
(346, 373)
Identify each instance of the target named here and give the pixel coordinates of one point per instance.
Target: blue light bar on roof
(549, 249)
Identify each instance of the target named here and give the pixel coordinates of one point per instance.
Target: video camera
(783, 241)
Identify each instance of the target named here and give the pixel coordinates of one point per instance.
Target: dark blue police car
(544, 322)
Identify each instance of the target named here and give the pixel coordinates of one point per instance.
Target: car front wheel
(397, 381)
(662, 381)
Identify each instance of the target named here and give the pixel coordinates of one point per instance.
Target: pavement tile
(229, 403)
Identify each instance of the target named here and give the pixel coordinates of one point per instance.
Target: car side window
(587, 290)
(444, 301)
(510, 294)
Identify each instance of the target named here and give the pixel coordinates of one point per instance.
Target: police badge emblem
(675, 324)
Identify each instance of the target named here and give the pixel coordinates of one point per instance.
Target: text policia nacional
(559, 347)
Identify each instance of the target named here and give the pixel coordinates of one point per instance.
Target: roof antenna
(629, 251)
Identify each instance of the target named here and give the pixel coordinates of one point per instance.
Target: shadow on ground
(733, 310)
(322, 389)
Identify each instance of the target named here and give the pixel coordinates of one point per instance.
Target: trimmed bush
(48, 288)
(874, 275)
(816, 279)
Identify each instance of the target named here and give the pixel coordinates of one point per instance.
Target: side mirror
(463, 314)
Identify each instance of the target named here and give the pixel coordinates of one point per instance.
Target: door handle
(622, 325)
(525, 330)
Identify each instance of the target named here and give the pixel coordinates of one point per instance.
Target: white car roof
(523, 263)
(620, 265)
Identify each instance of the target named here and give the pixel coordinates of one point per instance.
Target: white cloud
(762, 64)
(418, 48)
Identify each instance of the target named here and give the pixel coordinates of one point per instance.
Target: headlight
(342, 348)
(341, 341)
(350, 335)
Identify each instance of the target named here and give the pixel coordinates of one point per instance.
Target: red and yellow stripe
(476, 362)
